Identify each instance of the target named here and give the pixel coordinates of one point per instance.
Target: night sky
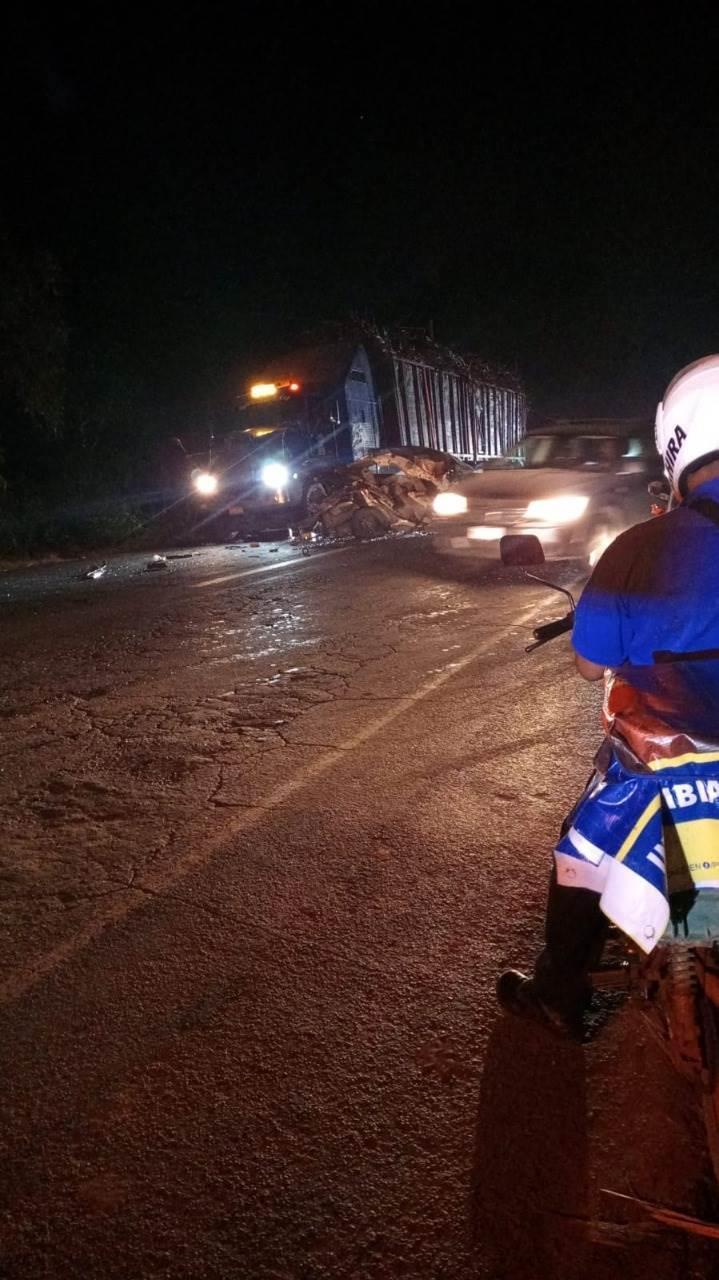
(218, 189)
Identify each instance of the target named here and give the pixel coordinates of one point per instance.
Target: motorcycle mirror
(520, 550)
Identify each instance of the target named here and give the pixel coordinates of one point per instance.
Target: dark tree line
(33, 351)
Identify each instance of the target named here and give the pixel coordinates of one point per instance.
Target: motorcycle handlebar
(551, 629)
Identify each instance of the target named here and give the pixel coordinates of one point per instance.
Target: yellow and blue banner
(647, 825)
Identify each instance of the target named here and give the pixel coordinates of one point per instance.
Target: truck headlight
(562, 510)
(275, 475)
(449, 504)
(205, 483)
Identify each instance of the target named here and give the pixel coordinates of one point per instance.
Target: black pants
(575, 933)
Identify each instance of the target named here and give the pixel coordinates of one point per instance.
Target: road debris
(157, 562)
(97, 571)
(304, 539)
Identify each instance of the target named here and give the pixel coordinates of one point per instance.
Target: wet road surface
(272, 824)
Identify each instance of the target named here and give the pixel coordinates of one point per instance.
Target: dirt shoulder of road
(8, 563)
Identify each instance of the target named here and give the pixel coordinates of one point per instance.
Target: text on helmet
(671, 452)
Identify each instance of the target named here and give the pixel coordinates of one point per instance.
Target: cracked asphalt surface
(272, 825)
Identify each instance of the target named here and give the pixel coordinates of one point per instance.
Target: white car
(575, 490)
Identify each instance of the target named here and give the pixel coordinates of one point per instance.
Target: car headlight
(205, 483)
(275, 475)
(563, 510)
(449, 504)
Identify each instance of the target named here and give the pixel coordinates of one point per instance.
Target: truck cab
(268, 477)
(305, 415)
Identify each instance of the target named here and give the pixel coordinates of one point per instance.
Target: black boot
(518, 995)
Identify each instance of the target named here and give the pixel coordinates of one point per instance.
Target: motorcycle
(677, 983)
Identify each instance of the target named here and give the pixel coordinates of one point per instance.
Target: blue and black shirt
(655, 591)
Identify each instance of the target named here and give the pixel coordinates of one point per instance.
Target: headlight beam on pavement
(268, 568)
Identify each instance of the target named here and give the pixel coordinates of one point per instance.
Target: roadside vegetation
(75, 435)
(34, 527)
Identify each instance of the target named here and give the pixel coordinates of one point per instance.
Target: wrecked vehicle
(389, 490)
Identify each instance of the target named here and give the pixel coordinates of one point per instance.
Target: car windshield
(561, 451)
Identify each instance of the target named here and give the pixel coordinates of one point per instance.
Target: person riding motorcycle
(648, 619)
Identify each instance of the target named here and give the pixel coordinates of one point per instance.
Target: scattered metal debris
(180, 555)
(303, 538)
(157, 562)
(96, 571)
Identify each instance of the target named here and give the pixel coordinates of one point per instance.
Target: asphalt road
(271, 826)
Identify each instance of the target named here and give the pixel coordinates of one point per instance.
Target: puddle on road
(262, 635)
(436, 615)
(250, 653)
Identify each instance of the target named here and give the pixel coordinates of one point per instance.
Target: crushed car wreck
(387, 491)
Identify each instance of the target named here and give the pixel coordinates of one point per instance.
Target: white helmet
(687, 423)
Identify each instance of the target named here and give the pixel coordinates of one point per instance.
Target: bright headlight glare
(275, 475)
(449, 504)
(205, 483)
(561, 510)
